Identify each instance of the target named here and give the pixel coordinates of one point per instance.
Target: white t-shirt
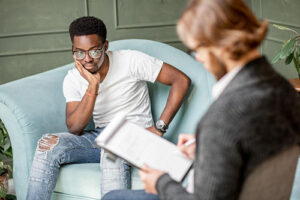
(124, 88)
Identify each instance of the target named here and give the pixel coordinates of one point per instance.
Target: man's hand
(149, 177)
(189, 150)
(154, 130)
(93, 79)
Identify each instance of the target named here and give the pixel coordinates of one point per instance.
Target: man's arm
(180, 84)
(79, 113)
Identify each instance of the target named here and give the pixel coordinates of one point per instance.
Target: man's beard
(216, 66)
(99, 63)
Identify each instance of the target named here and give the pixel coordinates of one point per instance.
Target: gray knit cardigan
(256, 116)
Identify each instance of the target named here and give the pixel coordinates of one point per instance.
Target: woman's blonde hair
(229, 24)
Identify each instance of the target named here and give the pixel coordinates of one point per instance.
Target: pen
(190, 141)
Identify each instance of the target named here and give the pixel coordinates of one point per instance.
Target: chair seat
(83, 180)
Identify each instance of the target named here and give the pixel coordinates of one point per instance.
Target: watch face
(160, 124)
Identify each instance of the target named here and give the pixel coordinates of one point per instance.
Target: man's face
(85, 43)
(210, 58)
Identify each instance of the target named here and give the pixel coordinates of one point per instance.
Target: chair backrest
(273, 179)
(199, 97)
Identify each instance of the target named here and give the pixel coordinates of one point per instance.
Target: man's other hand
(154, 130)
(93, 79)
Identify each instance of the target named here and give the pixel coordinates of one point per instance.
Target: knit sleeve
(218, 164)
(169, 189)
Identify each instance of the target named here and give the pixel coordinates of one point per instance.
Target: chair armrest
(29, 108)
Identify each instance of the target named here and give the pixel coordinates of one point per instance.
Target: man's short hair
(87, 26)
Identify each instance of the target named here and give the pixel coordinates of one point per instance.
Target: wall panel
(34, 33)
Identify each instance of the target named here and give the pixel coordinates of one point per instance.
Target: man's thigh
(69, 148)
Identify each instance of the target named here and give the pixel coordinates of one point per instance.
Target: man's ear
(106, 45)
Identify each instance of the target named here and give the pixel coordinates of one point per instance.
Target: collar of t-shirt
(223, 82)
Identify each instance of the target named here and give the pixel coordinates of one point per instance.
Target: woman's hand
(189, 150)
(149, 177)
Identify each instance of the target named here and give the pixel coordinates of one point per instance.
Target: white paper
(140, 146)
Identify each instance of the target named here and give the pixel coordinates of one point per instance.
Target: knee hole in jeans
(47, 142)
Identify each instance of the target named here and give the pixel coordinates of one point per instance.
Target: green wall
(34, 33)
(281, 12)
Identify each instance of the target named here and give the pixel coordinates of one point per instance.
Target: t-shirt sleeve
(144, 67)
(71, 89)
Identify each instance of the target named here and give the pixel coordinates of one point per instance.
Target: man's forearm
(80, 117)
(175, 98)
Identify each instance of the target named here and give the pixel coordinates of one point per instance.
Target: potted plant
(5, 169)
(4, 175)
(290, 50)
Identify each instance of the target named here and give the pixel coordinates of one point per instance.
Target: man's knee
(47, 143)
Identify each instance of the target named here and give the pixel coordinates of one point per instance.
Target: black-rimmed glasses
(93, 53)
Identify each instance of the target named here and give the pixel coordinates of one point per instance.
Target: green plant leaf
(296, 63)
(8, 154)
(1, 137)
(11, 197)
(287, 48)
(2, 128)
(3, 192)
(276, 58)
(297, 55)
(7, 144)
(285, 28)
(289, 59)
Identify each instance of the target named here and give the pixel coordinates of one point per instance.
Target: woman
(256, 112)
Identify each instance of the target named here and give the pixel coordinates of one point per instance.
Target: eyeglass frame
(100, 49)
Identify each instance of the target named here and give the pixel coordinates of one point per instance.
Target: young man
(103, 84)
(255, 115)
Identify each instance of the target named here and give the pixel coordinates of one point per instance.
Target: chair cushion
(84, 180)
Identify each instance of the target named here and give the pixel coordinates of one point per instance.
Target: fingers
(145, 168)
(143, 173)
(189, 151)
(153, 130)
(78, 66)
(184, 149)
(98, 77)
(183, 138)
(149, 177)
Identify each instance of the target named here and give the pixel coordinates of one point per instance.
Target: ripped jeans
(55, 150)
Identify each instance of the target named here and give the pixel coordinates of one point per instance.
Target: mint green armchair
(35, 105)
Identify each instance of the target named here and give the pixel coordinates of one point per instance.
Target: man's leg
(129, 195)
(115, 175)
(54, 150)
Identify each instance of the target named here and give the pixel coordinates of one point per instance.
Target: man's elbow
(185, 83)
(72, 129)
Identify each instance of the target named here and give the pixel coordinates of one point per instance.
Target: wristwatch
(161, 126)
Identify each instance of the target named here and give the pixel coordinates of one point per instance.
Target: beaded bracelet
(90, 94)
